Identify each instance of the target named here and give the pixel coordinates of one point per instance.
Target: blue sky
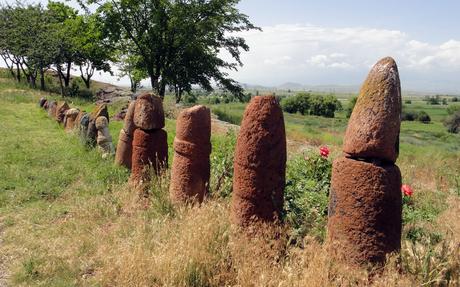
(337, 42)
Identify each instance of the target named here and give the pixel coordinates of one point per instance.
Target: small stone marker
(70, 118)
(52, 107)
(365, 206)
(91, 135)
(60, 111)
(192, 147)
(42, 102)
(259, 164)
(104, 139)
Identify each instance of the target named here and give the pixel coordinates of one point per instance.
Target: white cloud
(311, 54)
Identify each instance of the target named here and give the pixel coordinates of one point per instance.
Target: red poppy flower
(407, 190)
(324, 151)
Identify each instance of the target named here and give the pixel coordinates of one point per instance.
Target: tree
(453, 123)
(130, 65)
(179, 41)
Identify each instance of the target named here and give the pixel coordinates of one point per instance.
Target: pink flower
(324, 151)
(407, 190)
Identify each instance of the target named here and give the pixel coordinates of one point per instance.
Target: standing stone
(192, 147)
(83, 131)
(52, 107)
(150, 149)
(78, 119)
(104, 139)
(365, 206)
(60, 111)
(125, 140)
(379, 100)
(100, 111)
(150, 146)
(45, 105)
(70, 118)
(259, 163)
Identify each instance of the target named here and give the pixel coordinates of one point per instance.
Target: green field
(69, 218)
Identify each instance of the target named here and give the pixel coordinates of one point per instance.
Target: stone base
(365, 211)
(124, 150)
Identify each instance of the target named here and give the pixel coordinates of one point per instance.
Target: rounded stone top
(128, 121)
(63, 106)
(194, 124)
(374, 125)
(101, 122)
(262, 137)
(148, 112)
(72, 111)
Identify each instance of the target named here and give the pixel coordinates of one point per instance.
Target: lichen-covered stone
(83, 130)
(52, 107)
(373, 129)
(150, 150)
(125, 140)
(365, 209)
(91, 135)
(259, 163)
(61, 109)
(192, 147)
(148, 112)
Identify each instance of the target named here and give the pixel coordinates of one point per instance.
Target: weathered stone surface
(104, 139)
(125, 140)
(70, 118)
(192, 147)
(52, 107)
(124, 151)
(46, 104)
(373, 129)
(42, 102)
(83, 131)
(149, 148)
(364, 211)
(259, 163)
(148, 112)
(78, 119)
(61, 109)
(100, 111)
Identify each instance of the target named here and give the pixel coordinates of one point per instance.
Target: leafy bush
(408, 102)
(452, 109)
(453, 123)
(423, 117)
(306, 103)
(455, 99)
(408, 116)
(85, 94)
(306, 195)
(436, 100)
(190, 98)
(351, 106)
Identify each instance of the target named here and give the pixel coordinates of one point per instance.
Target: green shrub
(408, 102)
(227, 116)
(351, 106)
(454, 99)
(190, 98)
(306, 196)
(453, 123)
(309, 104)
(408, 116)
(86, 94)
(423, 117)
(452, 109)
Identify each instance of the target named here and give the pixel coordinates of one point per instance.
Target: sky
(337, 42)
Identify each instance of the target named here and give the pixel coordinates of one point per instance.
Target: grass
(69, 218)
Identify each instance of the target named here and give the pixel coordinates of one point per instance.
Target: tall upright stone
(124, 150)
(259, 164)
(52, 107)
(150, 146)
(365, 207)
(42, 102)
(192, 147)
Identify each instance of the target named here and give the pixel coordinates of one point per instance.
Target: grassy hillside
(68, 217)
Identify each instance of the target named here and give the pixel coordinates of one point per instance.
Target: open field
(69, 218)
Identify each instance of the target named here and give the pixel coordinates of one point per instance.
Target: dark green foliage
(408, 102)
(436, 100)
(310, 104)
(454, 99)
(306, 195)
(222, 165)
(351, 106)
(453, 123)
(452, 109)
(408, 116)
(423, 117)
(227, 116)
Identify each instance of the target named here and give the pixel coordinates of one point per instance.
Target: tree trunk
(60, 80)
(67, 77)
(18, 72)
(42, 79)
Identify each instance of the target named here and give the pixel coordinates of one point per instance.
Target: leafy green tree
(130, 65)
(180, 42)
(351, 106)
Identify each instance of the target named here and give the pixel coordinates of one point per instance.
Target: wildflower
(407, 190)
(324, 151)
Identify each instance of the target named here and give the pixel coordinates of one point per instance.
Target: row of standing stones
(365, 206)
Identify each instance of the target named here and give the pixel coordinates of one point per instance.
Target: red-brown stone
(373, 129)
(100, 111)
(364, 210)
(192, 147)
(61, 109)
(125, 140)
(259, 163)
(148, 112)
(150, 149)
